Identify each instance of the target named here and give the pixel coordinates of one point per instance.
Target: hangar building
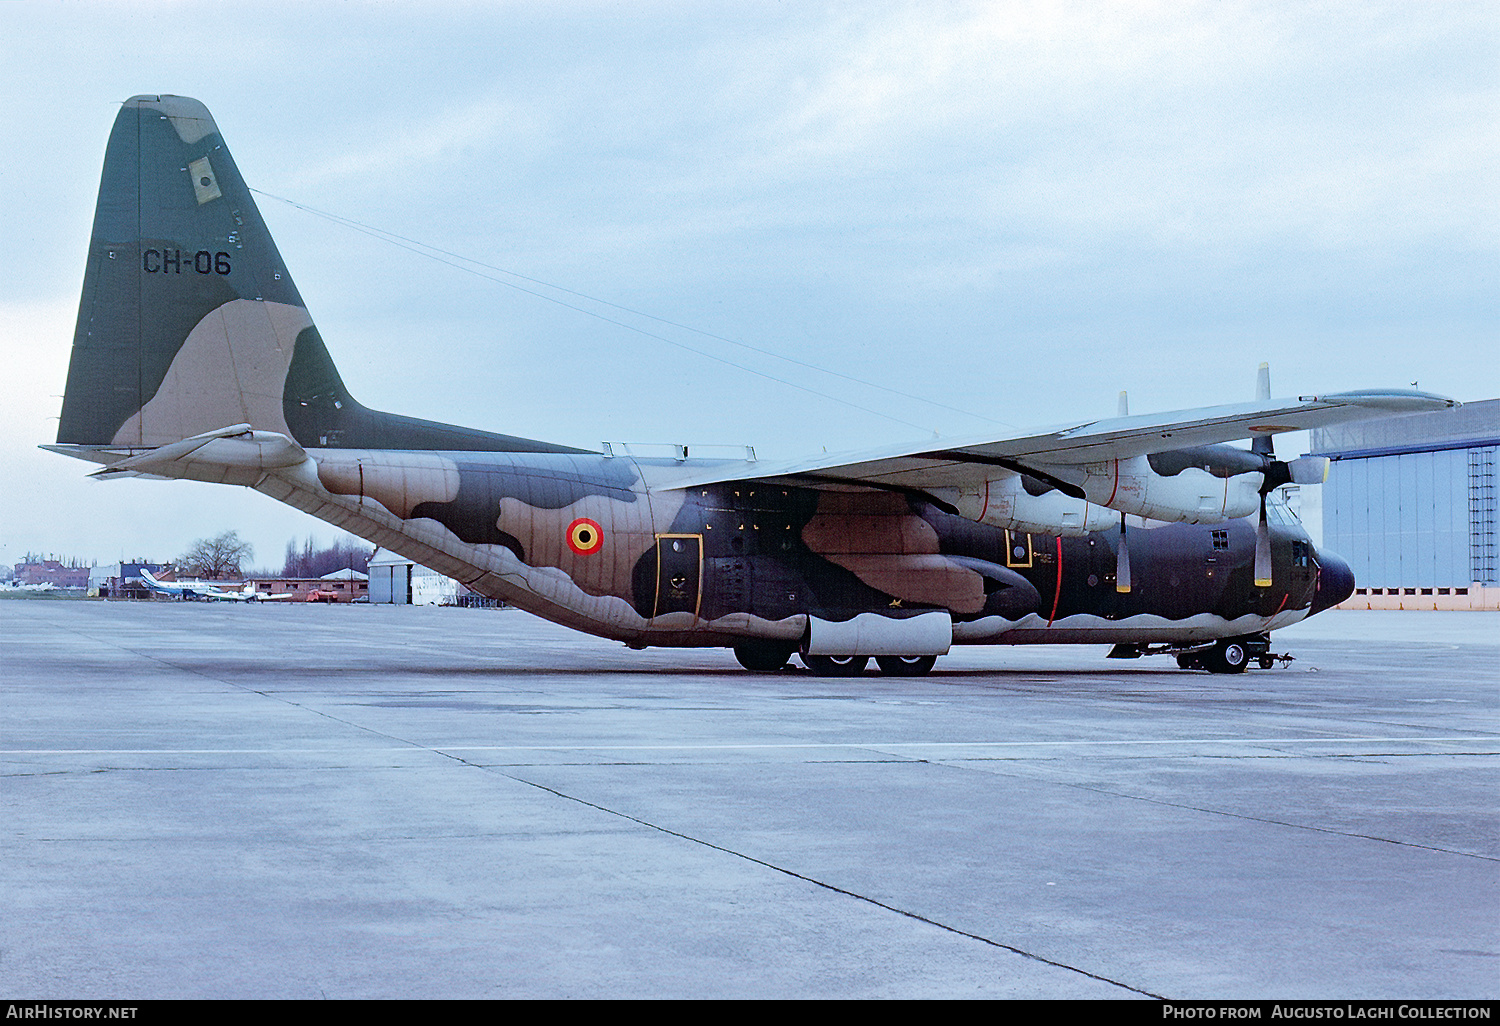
(396, 580)
(1411, 504)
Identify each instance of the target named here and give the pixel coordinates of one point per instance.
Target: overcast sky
(1010, 210)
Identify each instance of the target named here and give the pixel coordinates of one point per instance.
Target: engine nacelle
(1007, 502)
(1202, 485)
(1191, 495)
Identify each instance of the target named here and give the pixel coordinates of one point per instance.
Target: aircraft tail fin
(189, 320)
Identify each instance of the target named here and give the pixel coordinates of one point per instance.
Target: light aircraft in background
(199, 590)
(196, 358)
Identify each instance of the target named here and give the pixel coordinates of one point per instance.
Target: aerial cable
(438, 254)
(395, 241)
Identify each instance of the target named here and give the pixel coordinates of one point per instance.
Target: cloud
(1012, 208)
(458, 133)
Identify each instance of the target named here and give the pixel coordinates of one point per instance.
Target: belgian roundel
(585, 536)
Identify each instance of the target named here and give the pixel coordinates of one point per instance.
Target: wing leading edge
(1101, 463)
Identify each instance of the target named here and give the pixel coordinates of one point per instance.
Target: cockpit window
(1277, 511)
(1299, 553)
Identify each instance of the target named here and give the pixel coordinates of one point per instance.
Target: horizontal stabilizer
(230, 455)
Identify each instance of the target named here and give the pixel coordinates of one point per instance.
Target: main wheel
(762, 656)
(906, 666)
(836, 666)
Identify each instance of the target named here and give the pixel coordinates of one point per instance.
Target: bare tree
(347, 553)
(216, 558)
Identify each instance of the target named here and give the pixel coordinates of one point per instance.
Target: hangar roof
(1469, 426)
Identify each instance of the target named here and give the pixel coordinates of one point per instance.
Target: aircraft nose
(1335, 582)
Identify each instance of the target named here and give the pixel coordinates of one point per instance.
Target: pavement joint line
(823, 884)
(740, 746)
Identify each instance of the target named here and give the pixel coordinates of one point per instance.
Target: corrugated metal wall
(1401, 521)
(1409, 504)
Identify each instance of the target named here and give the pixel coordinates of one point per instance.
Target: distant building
(1411, 504)
(34, 571)
(339, 586)
(396, 580)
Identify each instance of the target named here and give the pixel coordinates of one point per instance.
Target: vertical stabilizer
(188, 320)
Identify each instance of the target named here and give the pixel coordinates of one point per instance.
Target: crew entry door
(679, 572)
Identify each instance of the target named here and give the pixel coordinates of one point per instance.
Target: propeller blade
(1122, 562)
(1262, 549)
(1309, 469)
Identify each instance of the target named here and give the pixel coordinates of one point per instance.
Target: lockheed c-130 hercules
(195, 357)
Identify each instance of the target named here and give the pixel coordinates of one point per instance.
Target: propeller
(1122, 556)
(1307, 470)
(1262, 445)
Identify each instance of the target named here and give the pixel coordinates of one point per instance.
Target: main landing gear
(770, 656)
(763, 656)
(853, 666)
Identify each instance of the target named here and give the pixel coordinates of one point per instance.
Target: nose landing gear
(1232, 655)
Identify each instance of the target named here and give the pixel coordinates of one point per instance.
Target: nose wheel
(1232, 655)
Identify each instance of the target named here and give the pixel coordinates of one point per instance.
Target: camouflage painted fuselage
(661, 565)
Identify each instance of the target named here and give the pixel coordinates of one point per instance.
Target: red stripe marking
(1057, 589)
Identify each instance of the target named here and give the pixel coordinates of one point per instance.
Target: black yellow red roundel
(585, 536)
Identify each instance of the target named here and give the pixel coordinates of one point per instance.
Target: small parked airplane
(195, 357)
(198, 589)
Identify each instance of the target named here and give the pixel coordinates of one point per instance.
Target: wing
(1103, 463)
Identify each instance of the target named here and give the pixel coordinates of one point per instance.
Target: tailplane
(189, 319)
